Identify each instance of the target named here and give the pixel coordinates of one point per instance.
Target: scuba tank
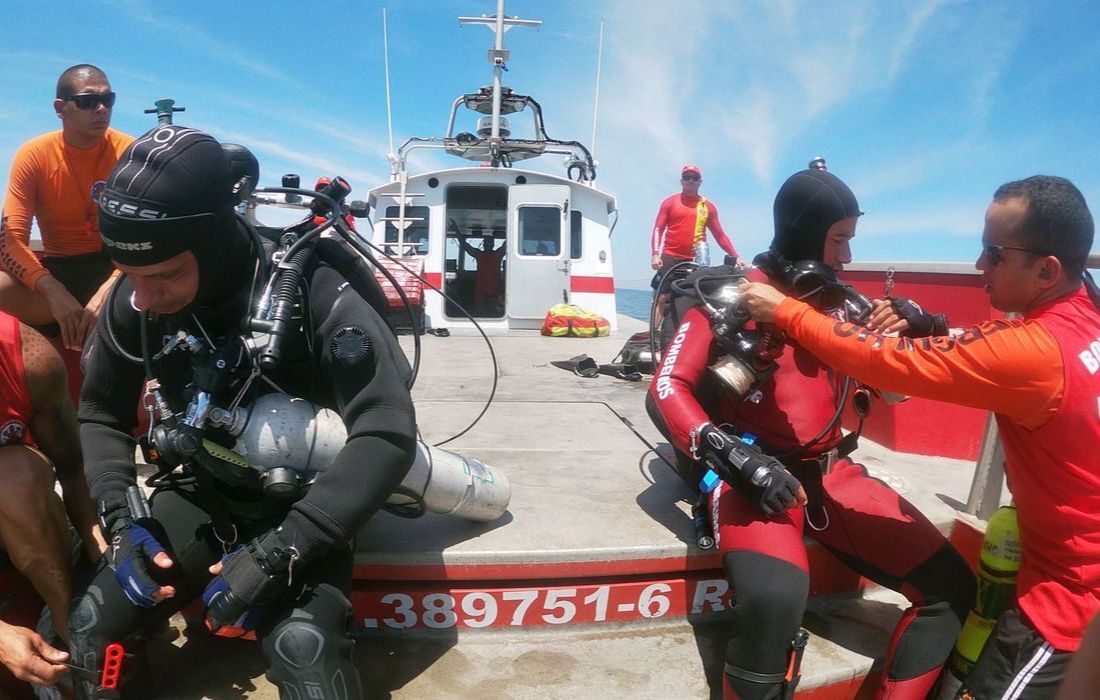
(290, 440)
(441, 481)
(998, 564)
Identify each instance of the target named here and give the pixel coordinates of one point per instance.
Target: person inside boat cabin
(1040, 376)
(797, 478)
(56, 179)
(266, 547)
(683, 220)
(489, 280)
(39, 444)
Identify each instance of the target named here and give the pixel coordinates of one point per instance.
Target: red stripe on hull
(596, 285)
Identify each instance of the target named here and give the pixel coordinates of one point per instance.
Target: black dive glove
(252, 578)
(921, 323)
(777, 489)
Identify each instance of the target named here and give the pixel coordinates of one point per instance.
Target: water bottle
(998, 564)
(702, 253)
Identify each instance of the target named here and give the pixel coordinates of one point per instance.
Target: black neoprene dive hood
(807, 204)
(171, 191)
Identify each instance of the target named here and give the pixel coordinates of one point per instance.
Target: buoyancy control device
(274, 443)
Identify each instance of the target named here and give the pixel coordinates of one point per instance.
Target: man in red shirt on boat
(680, 232)
(1040, 375)
(755, 421)
(488, 282)
(38, 438)
(56, 178)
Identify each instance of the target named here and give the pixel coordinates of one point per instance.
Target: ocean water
(633, 302)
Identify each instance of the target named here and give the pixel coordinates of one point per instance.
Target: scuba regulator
(750, 353)
(218, 423)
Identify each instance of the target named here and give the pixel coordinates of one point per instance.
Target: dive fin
(621, 370)
(581, 365)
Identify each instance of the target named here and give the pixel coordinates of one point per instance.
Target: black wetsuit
(200, 518)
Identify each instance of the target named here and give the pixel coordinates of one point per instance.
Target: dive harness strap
(788, 680)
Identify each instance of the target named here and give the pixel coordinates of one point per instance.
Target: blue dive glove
(126, 520)
(130, 555)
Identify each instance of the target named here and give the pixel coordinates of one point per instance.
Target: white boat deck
(588, 493)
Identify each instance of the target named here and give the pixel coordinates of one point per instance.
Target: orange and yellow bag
(568, 320)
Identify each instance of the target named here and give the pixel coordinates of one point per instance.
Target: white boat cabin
(555, 233)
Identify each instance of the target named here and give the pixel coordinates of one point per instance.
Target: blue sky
(923, 107)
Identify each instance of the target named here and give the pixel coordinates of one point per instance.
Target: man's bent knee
(313, 661)
(309, 652)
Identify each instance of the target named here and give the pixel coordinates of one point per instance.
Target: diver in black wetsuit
(266, 547)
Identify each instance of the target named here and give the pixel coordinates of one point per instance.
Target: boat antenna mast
(498, 58)
(596, 98)
(389, 109)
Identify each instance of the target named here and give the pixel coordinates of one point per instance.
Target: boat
(556, 227)
(593, 584)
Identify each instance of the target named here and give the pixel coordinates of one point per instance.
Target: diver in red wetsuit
(763, 503)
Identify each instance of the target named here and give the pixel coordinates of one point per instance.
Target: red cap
(692, 169)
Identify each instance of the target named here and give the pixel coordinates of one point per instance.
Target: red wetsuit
(1041, 376)
(861, 520)
(15, 402)
(675, 230)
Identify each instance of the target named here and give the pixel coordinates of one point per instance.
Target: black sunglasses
(690, 177)
(88, 101)
(993, 252)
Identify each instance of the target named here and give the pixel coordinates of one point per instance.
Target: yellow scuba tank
(998, 564)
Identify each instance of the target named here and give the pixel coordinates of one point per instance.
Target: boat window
(575, 219)
(416, 233)
(540, 231)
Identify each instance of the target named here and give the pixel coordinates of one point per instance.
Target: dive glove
(921, 323)
(776, 489)
(126, 520)
(253, 577)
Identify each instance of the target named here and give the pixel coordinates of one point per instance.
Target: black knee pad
(769, 599)
(310, 654)
(767, 592)
(93, 624)
(945, 576)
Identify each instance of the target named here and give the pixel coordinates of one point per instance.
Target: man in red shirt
(38, 437)
(56, 179)
(682, 223)
(488, 282)
(1040, 375)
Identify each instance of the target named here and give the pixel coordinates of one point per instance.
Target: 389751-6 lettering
(541, 606)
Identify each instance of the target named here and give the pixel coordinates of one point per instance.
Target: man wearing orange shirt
(1040, 375)
(56, 179)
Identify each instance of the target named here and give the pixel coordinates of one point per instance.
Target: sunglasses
(690, 177)
(88, 101)
(994, 252)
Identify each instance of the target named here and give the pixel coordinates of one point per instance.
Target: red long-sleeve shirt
(674, 230)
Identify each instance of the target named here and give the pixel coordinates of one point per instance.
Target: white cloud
(200, 42)
(312, 160)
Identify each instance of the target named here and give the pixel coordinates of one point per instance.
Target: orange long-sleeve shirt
(1041, 377)
(1013, 368)
(58, 185)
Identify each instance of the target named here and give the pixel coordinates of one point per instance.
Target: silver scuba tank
(448, 483)
(290, 440)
